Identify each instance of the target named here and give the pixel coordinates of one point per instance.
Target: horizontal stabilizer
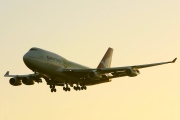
(7, 73)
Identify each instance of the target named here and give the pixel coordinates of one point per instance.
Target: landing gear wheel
(75, 88)
(54, 90)
(66, 89)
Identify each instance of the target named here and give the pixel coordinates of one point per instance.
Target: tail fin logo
(106, 60)
(106, 63)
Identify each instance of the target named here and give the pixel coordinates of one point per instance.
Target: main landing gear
(83, 87)
(53, 89)
(66, 88)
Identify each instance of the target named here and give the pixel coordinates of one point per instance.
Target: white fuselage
(49, 64)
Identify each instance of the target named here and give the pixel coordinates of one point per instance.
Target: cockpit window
(33, 49)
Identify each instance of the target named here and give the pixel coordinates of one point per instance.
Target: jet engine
(28, 81)
(15, 81)
(94, 75)
(132, 72)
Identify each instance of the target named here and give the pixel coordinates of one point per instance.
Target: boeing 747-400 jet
(58, 71)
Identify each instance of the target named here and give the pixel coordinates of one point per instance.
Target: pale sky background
(140, 31)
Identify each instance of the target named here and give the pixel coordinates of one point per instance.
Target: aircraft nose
(28, 61)
(25, 58)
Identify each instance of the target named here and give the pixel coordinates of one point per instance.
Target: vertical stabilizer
(106, 60)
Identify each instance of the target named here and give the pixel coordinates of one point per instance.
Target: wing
(28, 79)
(106, 70)
(115, 71)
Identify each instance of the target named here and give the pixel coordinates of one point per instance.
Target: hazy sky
(140, 31)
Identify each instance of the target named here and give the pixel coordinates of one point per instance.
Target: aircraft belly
(89, 83)
(65, 78)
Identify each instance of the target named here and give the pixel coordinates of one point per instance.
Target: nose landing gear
(53, 89)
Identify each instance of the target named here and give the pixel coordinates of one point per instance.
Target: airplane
(58, 71)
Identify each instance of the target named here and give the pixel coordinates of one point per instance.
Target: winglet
(174, 60)
(7, 73)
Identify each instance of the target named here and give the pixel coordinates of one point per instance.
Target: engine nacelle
(132, 72)
(28, 81)
(94, 75)
(15, 81)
